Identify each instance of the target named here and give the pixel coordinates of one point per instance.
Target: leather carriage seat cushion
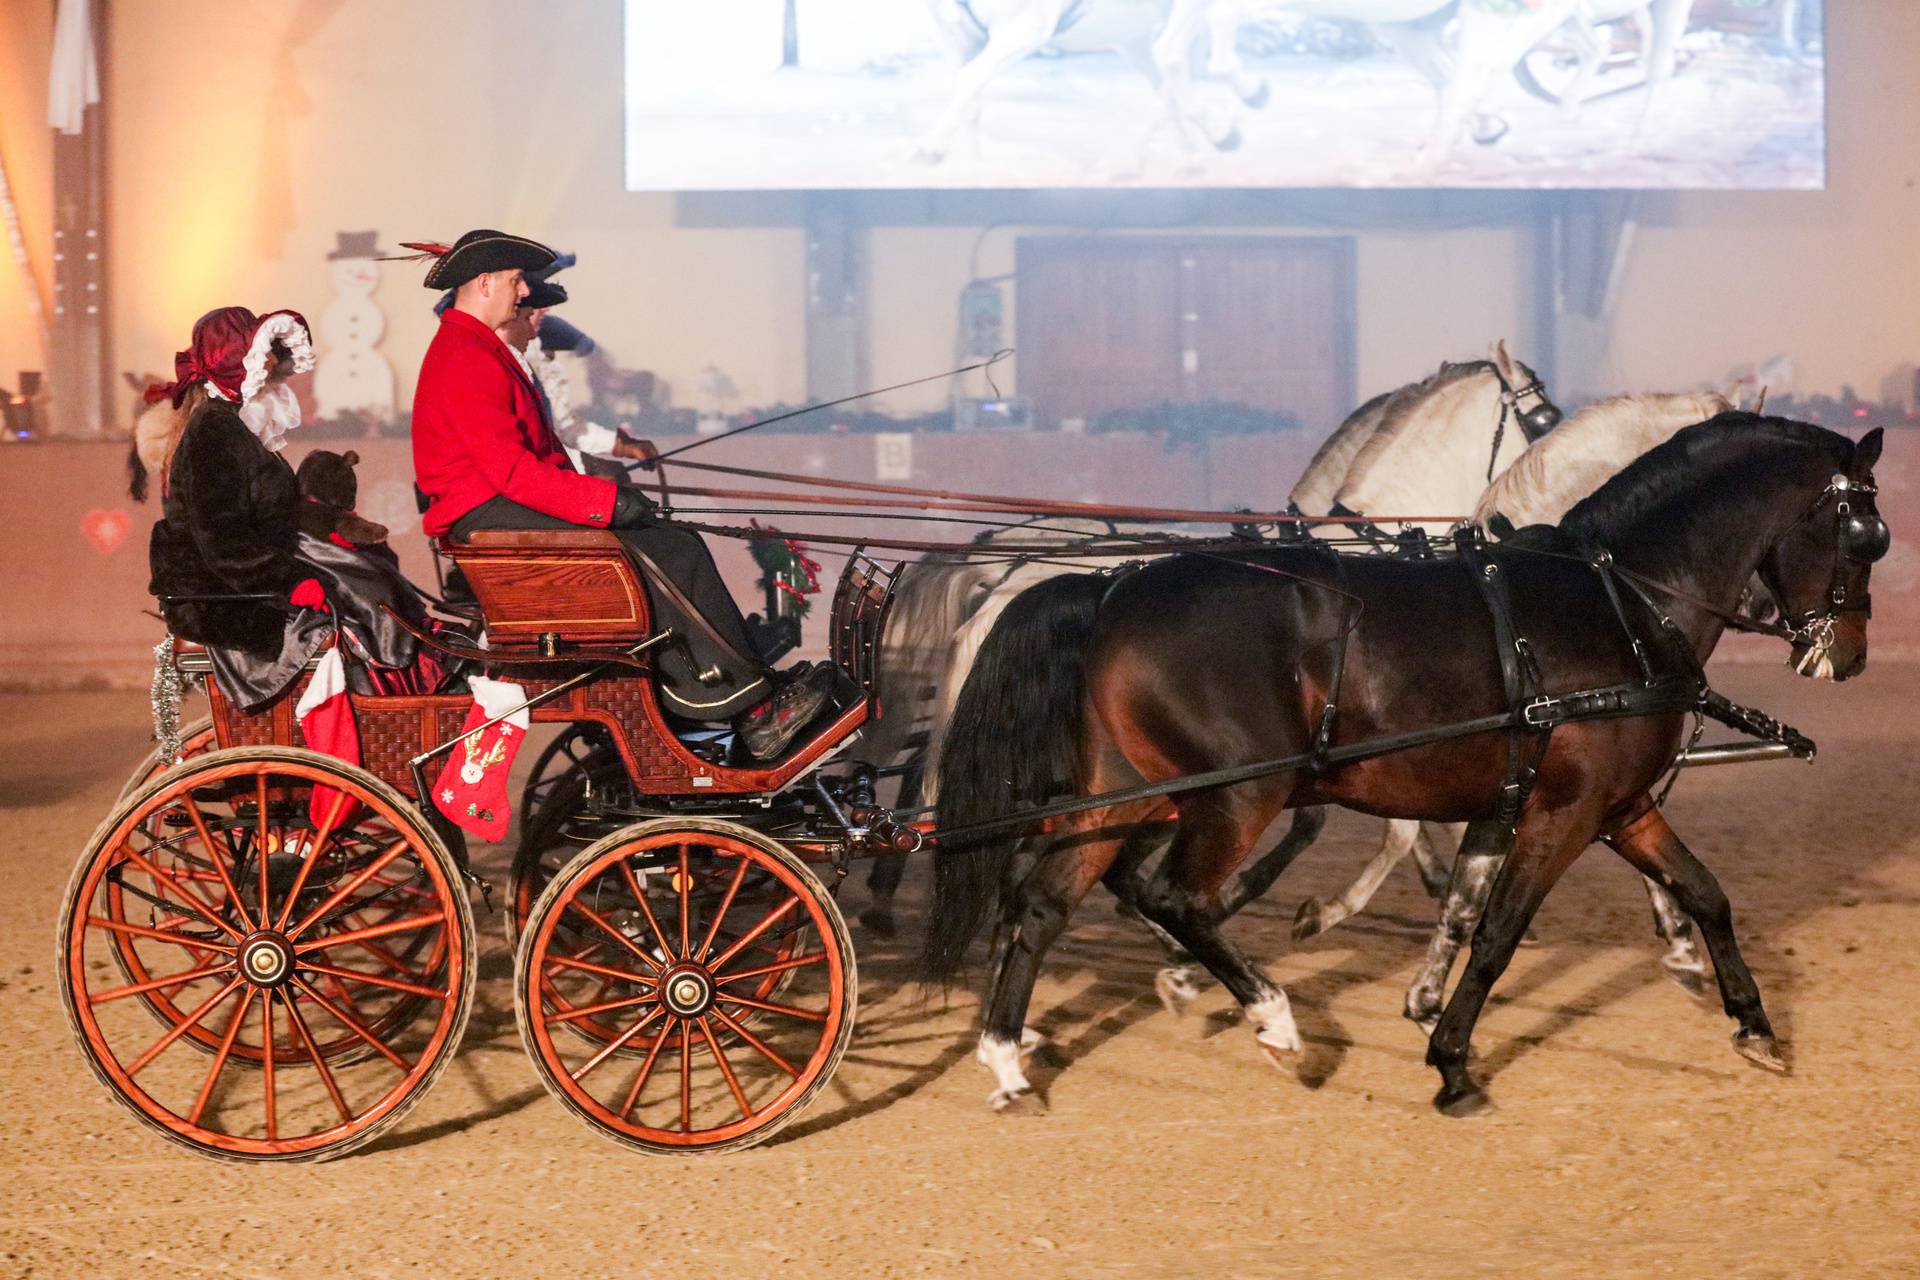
(577, 584)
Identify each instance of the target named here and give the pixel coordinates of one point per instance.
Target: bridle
(1534, 422)
(1860, 537)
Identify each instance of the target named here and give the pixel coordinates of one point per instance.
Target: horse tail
(1014, 741)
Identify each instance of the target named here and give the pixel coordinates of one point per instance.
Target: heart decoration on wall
(106, 530)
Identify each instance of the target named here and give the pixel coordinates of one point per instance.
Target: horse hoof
(928, 155)
(1690, 978)
(1529, 939)
(1017, 1102)
(1230, 141)
(1306, 921)
(1260, 97)
(1462, 1103)
(1176, 988)
(1488, 130)
(878, 921)
(1761, 1051)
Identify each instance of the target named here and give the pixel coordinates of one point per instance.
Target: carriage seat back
(576, 586)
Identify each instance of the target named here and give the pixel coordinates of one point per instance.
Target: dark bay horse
(1093, 683)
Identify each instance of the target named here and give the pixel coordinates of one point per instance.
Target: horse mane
(1733, 442)
(1429, 448)
(1582, 453)
(1394, 422)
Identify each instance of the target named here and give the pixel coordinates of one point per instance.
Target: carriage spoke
(726, 1069)
(347, 890)
(607, 1006)
(733, 888)
(260, 845)
(587, 966)
(167, 985)
(646, 1069)
(181, 1027)
(640, 895)
(391, 984)
(319, 1060)
(614, 1045)
(402, 925)
(213, 856)
(686, 1078)
(684, 884)
(795, 962)
(161, 935)
(767, 922)
(613, 931)
(220, 1058)
(757, 1043)
(768, 1006)
(267, 1100)
(314, 850)
(186, 896)
(354, 1025)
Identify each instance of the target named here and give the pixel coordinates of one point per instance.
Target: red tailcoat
(478, 433)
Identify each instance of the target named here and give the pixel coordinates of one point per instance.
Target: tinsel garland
(10, 215)
(785, 567)
(165, 693)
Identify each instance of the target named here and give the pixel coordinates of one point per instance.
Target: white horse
(1461, 48)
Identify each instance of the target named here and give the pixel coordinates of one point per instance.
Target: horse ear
(1501, 360)
(351, 458)
(1760, 405)
(1867, 451)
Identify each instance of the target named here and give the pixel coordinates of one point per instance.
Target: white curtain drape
(74, 81)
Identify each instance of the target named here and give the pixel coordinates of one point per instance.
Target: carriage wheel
(632, 936)
(196, 739)
(544, 848)
(335, 960)
(583, 747)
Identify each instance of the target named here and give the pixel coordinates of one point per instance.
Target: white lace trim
(291, 334)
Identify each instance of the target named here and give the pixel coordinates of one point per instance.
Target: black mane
(1736, 446)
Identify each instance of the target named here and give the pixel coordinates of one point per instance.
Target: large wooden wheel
(583, 747)
(311, 979)
(641, 980)
(196, 739)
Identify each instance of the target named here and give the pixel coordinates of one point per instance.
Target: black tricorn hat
(479, 252)
(544, 293)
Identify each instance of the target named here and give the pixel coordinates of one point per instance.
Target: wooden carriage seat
(576, 585)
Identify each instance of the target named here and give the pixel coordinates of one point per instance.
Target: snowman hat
(355, 244)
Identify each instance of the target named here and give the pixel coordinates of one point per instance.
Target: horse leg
(1039, 911)
(1490, 43)
(1173, 66)
(1682, 961)
(1482, 850)
(1667, 22)
(1543, 848)
(1657, 853)
(1224, 18)
(1315, 917)
(1434, 869)
(1184, 900)
(1011, 37)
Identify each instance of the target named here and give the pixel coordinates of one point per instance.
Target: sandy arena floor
(1628, 1139)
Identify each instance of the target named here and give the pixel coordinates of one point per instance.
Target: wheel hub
(266, 959)
(687, 991)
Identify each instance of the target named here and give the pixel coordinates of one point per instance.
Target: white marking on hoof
(1002, 1057)
(1273, 1026)
(1030, 1040)
(1683, 958)
(1177, 988)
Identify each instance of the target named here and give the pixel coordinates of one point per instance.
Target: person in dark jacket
(230, 565)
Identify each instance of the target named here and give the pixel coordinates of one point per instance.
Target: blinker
(1540, 419)
(1865, 538)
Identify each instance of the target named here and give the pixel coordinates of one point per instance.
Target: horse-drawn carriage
(268, 954)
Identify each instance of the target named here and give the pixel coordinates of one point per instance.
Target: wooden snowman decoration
(351, 376)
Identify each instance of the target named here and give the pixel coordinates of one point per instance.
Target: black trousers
(682, 556)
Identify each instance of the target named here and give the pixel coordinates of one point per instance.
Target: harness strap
(1519, 675)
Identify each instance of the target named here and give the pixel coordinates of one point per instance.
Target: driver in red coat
(486, 456)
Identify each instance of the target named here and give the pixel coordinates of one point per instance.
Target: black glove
(632, 509)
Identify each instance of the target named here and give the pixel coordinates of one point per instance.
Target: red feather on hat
(423, 249)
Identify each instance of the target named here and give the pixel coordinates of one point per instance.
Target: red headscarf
(222, 341)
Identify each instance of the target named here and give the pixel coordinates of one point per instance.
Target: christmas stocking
(472, 789)
(326, 721)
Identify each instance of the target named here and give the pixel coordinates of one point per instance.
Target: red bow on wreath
(784, 565)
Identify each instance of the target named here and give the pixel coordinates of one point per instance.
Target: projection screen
(812, 94)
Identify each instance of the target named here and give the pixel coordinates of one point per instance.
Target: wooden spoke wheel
(196, 739)
(583, 747)
(661, 943)
(311, 979)
(545, 847)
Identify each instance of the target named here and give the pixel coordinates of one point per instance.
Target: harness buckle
(1542, 713)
